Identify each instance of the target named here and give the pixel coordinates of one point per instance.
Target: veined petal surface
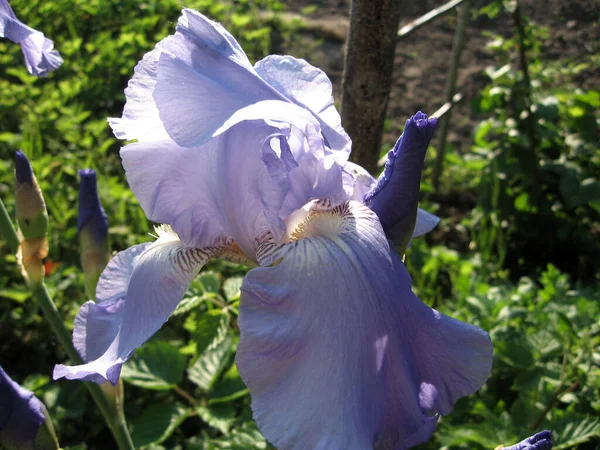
(337, 351)
(137, 293)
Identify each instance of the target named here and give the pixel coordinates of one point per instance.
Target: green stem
(8, 230)
(115, 421)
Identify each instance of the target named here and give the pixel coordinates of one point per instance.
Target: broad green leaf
(246, 437)
(221, 416)
(208, 326)
(156, 423)
(210, 281)
(204, 372)
(187, 304)
(568, 434)
(231, 288)
(229, 387)
(157, 365)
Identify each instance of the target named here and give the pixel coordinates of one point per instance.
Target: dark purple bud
(23, 170)
(91, 213)
(539, 441)
(21, 414)
(395, 196)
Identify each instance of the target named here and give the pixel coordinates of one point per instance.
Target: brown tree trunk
(368, 69)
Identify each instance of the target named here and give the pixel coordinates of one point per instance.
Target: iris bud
(24, 421)
(395, 196)
(92, 226)
(539, 441)
(32, 218)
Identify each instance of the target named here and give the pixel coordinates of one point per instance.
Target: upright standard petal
(21, 414)
(40, 56)
(337, 351)
(194, 84)
(396, 195)
(309, 87)
(137, 293)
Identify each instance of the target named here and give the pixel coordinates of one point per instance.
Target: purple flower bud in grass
(23, 171)
(21, 418)
(33, 220)
(395, 196)
(539, 441)
(40, 56)
(92, 225)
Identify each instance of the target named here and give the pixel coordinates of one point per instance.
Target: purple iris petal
(149, 281)
(21, 414)
(40, 56)
(23, 170)
(91, 214)
(396, 195)
(221, 189)
(193, 84)
(338, 352)
(539, 441)
(307, 86)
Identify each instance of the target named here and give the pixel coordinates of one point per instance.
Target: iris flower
(249, 163)
(40, 56)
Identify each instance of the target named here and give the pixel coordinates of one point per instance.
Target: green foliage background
(496, 265)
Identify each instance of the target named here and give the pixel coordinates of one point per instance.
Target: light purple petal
(339, 353)
(40, 56)
(425, 223)
(198, 83)
(160, 275)
(21, 414)
(223, 189)
(539, 441)
(97, 324)
(360, 182)
(308, 87)
(396, 195)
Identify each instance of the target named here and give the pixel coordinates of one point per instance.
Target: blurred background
(516, 253)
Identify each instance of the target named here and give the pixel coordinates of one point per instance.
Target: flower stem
(115, 421)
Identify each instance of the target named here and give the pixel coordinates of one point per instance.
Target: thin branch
(458, 45)
(426, 18)
(529, 120)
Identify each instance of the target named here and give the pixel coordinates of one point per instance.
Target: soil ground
(423, 57)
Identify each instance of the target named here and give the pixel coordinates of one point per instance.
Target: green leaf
(231, 288)
(157, 365)
(229, 387)
(575, 429)
(157, 423)
(208, 327)
(246, 437)
(187, 304)
(210, 281)
(204, 372)
(221, 416)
